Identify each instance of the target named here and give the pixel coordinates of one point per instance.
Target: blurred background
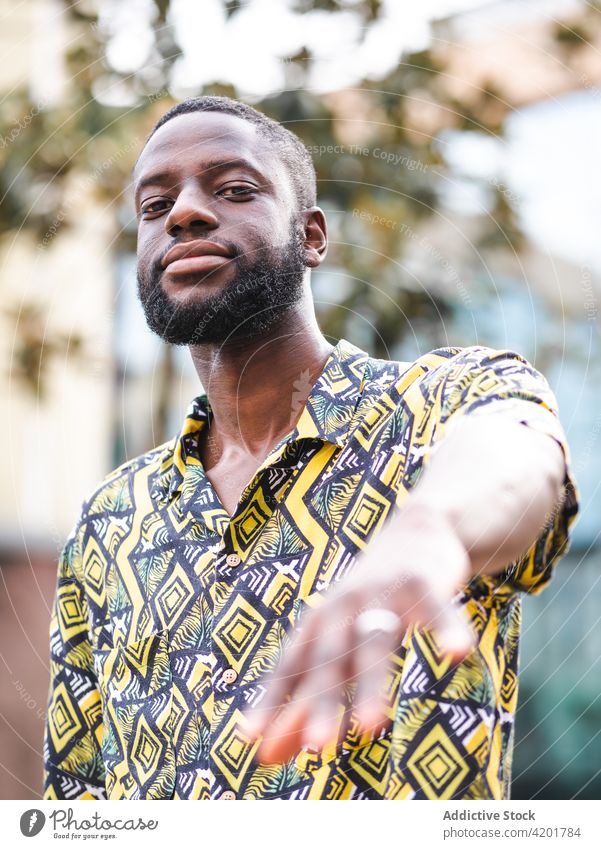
(457, 149)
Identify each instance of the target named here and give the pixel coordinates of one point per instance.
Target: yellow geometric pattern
(64, 722)
(238, 632)
(437, 765)
(161, 640)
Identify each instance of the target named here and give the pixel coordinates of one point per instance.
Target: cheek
(265, 232)
(259, 223)
(148, 248)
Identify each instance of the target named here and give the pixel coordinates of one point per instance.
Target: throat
(230, 478)
(231, 468)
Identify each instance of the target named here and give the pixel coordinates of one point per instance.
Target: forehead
(187, 142)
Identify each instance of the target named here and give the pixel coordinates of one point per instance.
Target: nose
(191, 211)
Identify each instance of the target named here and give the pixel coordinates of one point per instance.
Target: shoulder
(115, 493)
(462, 365)
(469, 357)
(448, 379)
(107, 513)
(450, 363)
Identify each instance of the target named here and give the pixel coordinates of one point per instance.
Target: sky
(247, 50)
(549, 152)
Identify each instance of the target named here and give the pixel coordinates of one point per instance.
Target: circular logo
(32, 822)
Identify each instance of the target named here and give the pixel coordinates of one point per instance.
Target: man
(313, 591)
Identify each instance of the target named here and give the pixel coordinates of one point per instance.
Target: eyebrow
(161, 177)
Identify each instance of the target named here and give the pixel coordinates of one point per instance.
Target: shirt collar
(329, 410)
(327, 416)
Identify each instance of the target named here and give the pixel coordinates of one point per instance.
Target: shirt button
(228, 795)
(229, 676)
(233, 560)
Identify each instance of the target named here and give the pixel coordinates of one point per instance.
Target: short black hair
(289, 147)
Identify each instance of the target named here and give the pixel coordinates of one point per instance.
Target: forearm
(496, 482)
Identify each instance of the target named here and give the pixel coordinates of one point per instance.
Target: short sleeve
(479, 381)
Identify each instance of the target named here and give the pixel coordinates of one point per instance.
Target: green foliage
(378, 171)
(34, 348)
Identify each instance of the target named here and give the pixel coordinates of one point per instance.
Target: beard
(264, 288)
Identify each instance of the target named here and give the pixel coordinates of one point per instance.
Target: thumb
(453, 633)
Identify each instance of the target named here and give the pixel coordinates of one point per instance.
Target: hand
(413, 569)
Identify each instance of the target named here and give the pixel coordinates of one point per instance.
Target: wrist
(426, 527)
(422, 514)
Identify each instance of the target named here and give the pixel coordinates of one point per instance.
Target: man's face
(220, 239)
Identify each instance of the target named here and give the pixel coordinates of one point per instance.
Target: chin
(193, 287)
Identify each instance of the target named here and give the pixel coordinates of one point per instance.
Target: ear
(316, 236)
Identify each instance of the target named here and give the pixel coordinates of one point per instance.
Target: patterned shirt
(169, 614)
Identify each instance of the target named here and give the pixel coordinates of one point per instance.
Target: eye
(153, 207)
(238, 192)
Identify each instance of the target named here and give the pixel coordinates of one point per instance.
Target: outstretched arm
(490, 487)
(496, 483)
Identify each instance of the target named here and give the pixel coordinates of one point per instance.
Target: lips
(195, 256)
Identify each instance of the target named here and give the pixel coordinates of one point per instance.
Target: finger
(324, 686)
(312, 715)
(283, 737)
(323, 717)
(281, 683)
(373, 654)
(428, 607)
(453, 633)
(290, 732)
(311, 718)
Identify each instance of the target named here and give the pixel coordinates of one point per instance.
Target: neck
(258, 387)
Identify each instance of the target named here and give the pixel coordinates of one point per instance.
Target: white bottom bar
(392, 825)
